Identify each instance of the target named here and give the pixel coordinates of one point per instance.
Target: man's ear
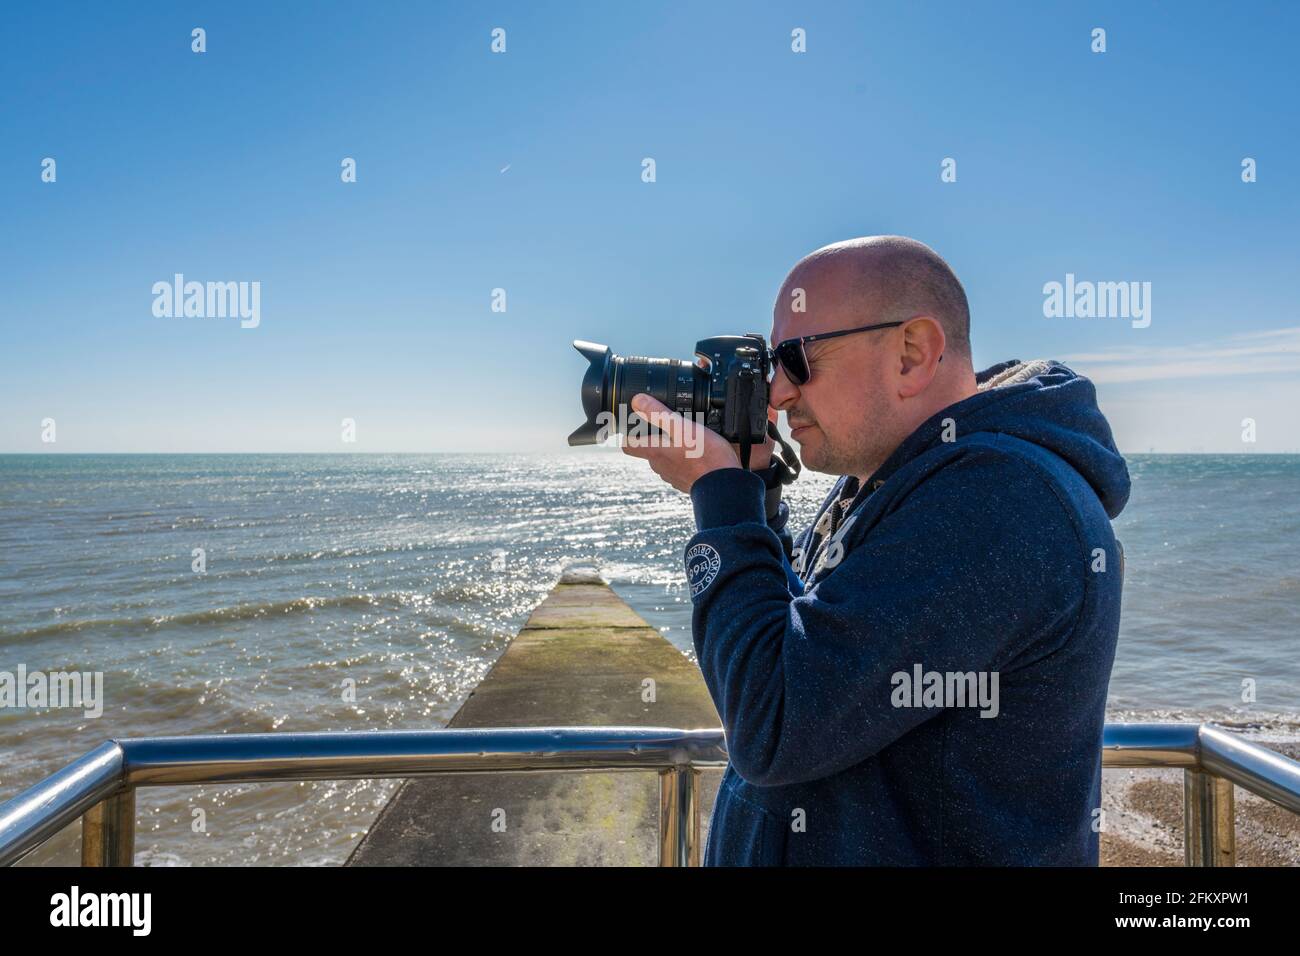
(923, 342)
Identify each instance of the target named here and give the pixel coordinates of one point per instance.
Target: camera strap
(783, 470)
(787, 463)
(745, 395)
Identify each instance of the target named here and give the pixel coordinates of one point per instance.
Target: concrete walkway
(581, 660)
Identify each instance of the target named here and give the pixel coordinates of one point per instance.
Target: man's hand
(686, 449)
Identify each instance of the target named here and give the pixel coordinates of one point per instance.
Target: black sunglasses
(791, 356)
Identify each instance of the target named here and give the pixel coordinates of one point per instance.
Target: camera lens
(612, 380)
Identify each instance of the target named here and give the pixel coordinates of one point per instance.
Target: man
(921, 677)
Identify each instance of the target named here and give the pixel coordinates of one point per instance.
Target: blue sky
(376, 295)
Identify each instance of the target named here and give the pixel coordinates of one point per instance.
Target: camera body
(726, 387)
(738, 371)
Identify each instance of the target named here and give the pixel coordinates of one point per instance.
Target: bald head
(862, 394)
(887, 279)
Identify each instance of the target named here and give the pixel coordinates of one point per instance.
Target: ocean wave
(221, 615)
(357, 551)
(431, 605)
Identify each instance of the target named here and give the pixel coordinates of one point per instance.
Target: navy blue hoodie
(979, 557)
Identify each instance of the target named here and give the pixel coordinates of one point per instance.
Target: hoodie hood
(1040, 401)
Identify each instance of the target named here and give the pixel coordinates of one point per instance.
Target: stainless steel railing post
(688, 844)
(679, 817)
(669, 816)
(1209, 827)
(108, 831)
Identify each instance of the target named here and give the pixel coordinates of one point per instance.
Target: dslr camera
(725, 388)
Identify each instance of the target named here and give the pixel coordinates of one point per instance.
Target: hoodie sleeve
(804, 681)
(778, 523)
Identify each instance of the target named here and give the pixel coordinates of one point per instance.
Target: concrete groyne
(583, 658)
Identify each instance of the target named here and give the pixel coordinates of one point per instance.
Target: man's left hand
(686, 450)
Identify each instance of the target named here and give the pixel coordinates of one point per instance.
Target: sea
(261, 593)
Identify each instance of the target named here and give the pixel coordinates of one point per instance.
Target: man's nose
(781, 392)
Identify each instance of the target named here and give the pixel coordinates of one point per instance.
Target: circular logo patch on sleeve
(702, 564)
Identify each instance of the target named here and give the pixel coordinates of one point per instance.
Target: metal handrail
(100, 786)
(1213, 761)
